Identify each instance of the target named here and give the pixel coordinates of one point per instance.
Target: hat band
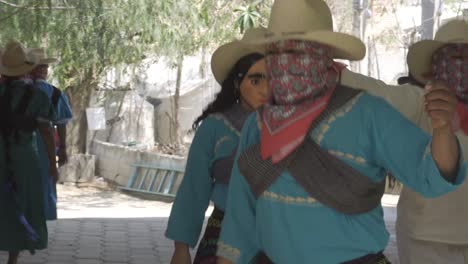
(271, 34)
(21, 64)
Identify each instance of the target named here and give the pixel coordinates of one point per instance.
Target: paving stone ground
(108, 227)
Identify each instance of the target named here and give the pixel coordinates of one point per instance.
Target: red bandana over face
(302, 76)
(450, 66)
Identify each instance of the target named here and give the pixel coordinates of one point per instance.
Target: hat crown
(300, 16)
(15, 55)
(226, 56)
(453, 31)
(253, 33)
(39, 52)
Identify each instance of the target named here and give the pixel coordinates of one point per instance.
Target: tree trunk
(427, 18)
(203, 63)
(79, 96)
(355, 65)
(376, 57)
(438, 7)
(119, 113)
(175, 110)
(369, 57)
(363, 36)
(364, 16)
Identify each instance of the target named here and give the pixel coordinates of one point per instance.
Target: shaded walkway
(99, 241)
(107, 227)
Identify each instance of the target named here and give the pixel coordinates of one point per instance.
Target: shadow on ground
(117, 241)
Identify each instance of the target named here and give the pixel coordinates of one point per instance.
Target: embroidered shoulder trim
(221, 117)
(289, 199)
(356, 159)
(335, 116)
(230, 253)
(220, 141)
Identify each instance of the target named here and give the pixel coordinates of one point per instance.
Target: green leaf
(256, 14)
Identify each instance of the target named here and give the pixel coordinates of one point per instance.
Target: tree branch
(39, 7)
(9, 4)
(20, 9)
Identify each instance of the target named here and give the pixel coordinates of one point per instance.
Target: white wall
(132, 117)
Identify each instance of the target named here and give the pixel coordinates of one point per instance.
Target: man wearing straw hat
(434, 230)
(310, 171)
(58, 98)
(63, 114)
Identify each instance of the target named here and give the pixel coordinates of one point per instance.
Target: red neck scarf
(449, 66)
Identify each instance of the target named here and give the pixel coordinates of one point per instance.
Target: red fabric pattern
(302, 76)
(450, 66)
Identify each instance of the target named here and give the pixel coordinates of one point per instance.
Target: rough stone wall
(129, 119)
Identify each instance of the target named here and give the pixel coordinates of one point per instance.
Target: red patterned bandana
(450, 66)
(302, 76)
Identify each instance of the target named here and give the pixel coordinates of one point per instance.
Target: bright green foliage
(248, 15)
(91, 35)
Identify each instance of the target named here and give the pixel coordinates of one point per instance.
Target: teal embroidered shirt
(215, 139)
(292, 227)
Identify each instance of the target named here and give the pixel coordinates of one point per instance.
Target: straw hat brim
(19, 70)
(226, 56)
(345, 46)
(16, 71)
(40, 53)
(48, 61)
(419, 57)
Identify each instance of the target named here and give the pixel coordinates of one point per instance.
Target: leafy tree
(248, 15)
(93, 36)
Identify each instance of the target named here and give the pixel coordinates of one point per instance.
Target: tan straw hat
(43, 59)
(420, 53)
(15, 60)
(310, 20)
(225, 57)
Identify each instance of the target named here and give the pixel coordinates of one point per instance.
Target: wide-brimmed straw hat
(43, 59)
(16, 60)
(310, 20)
(420, 53)
(226, 56)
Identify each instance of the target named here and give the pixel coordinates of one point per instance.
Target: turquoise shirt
(291, 227)
(62, 109)
(63, 114)
(24, 163)
(215, 139)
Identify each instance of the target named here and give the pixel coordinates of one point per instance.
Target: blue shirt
(292, 227)
(215, 139)
(63, 114)
(62, 109)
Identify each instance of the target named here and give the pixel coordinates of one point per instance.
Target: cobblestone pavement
(108, 227)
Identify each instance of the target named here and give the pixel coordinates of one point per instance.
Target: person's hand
(440, 105)
(181, 256)
(62, 156)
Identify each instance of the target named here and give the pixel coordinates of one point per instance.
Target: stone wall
(113, 161)
(129, 118)
(80, 168)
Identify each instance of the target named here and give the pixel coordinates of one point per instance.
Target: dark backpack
(55, 96)
(13, 120)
